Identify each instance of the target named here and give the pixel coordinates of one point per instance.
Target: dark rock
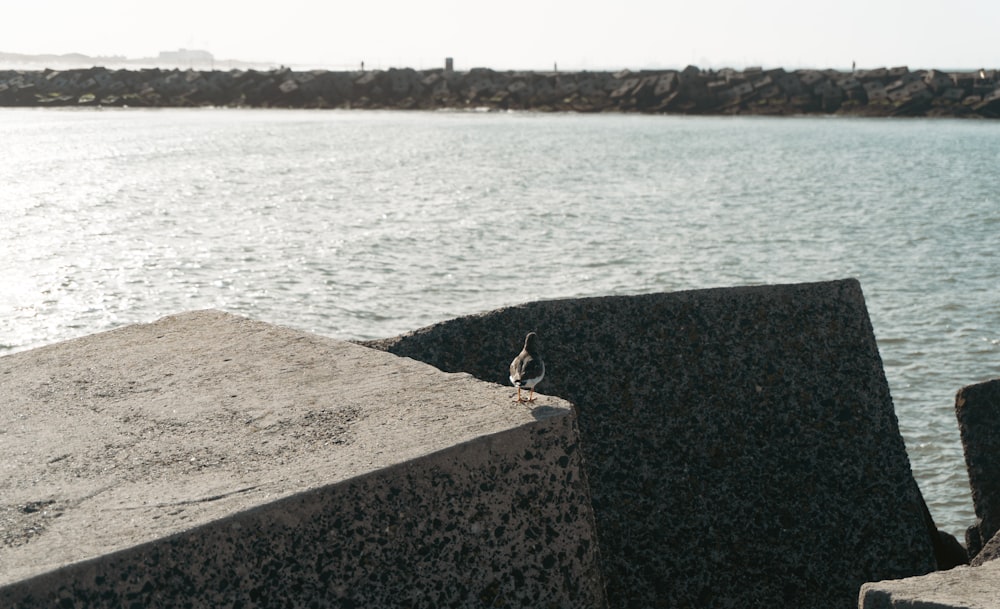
(990, 105)
(990, 551)
(691, 91)
(973, 541)
(403, 82)
(625, 88)
(978, 410)
(665, 84)
(741, 444)
(690, 71)
(948, 551)
(832, 96)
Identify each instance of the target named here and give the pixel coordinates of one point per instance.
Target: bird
(527, 369)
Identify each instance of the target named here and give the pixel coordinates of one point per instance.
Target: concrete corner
(959, 588)
(210, 460)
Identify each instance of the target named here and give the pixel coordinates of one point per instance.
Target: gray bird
(527, 369)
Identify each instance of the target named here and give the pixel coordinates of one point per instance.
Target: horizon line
(198, 59)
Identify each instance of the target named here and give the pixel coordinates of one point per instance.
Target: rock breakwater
(879, 92)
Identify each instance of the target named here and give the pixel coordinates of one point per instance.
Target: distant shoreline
(754, 91)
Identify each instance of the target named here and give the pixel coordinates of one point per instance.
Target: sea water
(360, 225)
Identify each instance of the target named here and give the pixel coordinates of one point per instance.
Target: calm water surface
(368, 224)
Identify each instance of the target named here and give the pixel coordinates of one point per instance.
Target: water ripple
(362, 225)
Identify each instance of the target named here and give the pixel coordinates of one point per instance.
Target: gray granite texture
(989, 551)
(960, 588)
(977, 408)
(206, 460)
(741, 444)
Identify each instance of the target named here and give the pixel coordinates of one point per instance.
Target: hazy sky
(521, 34)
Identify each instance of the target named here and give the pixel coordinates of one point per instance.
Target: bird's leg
(531, 394)
(519, 400)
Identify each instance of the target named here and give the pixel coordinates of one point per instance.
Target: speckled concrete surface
(959, 588)
(207, 460)
(977, 408)
(741, 443)
(989, 551)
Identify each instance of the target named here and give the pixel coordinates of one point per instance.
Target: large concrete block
(977, 408)
(741, 443)
(206, 460)
(960, 588)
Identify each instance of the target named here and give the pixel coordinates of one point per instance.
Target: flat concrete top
(123, 437)
(959, 588)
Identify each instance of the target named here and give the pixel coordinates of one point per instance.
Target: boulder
(665, 84)
(403, 82)
(625, 88)
(741, 443)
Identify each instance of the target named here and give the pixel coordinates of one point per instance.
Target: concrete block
(987, 552)
(977, 408)
(741, 444)
(959, 588)
(206, 460)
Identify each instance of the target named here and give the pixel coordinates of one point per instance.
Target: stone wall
(741, 444)
(880, 92)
